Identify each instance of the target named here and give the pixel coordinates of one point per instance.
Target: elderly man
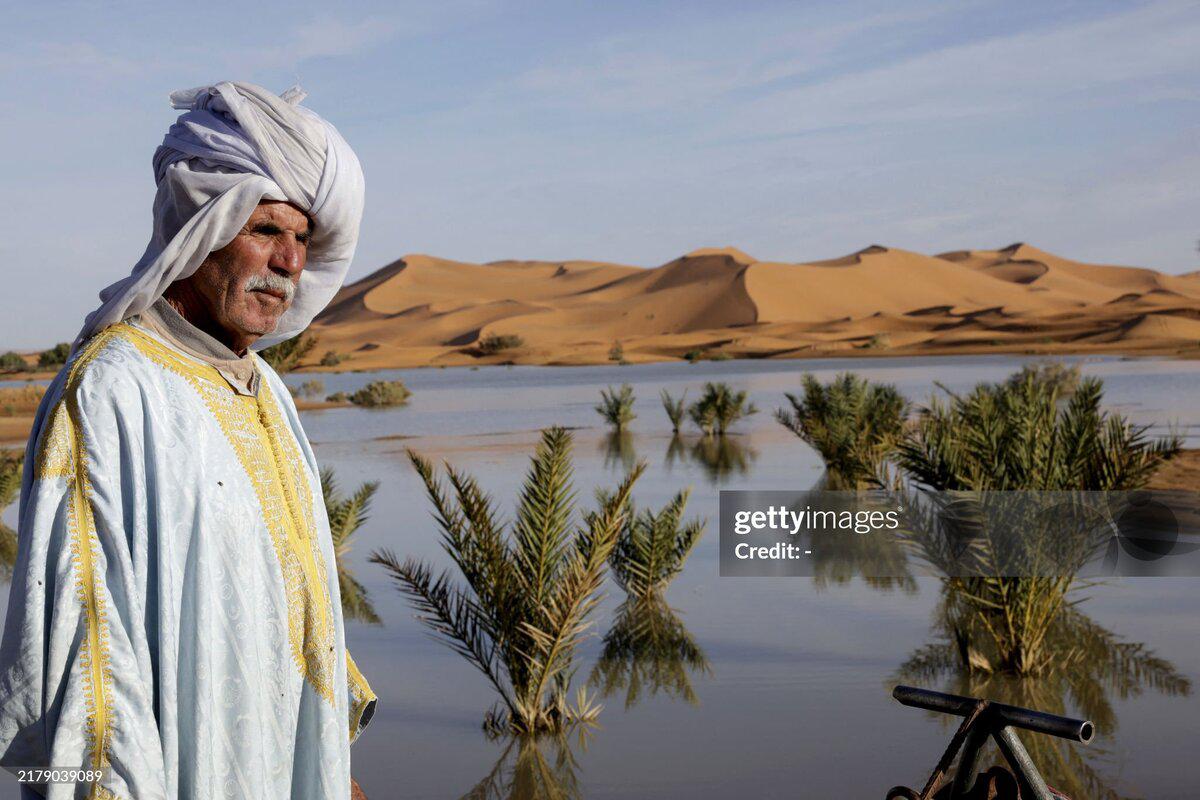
(174, 627)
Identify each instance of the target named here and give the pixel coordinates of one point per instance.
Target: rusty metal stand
(983, 720)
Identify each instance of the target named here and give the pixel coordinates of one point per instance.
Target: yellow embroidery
(54, 450)
(361, 698)
(268, 453)
(63, 453)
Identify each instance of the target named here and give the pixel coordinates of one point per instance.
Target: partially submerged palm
(528, 589)
(1021, 435)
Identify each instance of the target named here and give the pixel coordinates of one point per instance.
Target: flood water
(789, 696)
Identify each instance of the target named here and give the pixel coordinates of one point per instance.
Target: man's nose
(288, 255)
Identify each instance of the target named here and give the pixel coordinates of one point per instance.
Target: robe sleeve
(76, 678)
(362, 699)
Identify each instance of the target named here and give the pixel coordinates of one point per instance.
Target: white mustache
(272, 283)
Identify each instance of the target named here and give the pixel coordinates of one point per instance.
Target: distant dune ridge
(423, 310)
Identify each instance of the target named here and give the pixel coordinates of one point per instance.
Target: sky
(619, 131)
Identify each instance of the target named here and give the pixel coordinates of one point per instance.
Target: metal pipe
(970, 760)
(1076, 730)
(1028, 778)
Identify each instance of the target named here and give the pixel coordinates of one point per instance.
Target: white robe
(174, 613)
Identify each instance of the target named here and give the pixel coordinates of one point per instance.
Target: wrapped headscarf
(235, 145)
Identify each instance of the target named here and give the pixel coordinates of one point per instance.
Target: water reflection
(618, 450)
(881, 560)
(648, 649)
(1091, 668)
(1017, 640)
(1023, 640)
(531, 768)
(720, 456)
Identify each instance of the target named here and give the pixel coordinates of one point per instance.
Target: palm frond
(527, 591)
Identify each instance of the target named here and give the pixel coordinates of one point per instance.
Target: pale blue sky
(624, 131)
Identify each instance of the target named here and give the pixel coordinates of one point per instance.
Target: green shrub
(1017, 435)
(312, 388)
(854, 424)
(692, 356)
(381, 394)
(719, 408)
(338, 397)
(286, 356)
(54, 357)
(332, 358)
(616, 406)
(1062, 378)
(616, 353)
(12, 362)
(676, 409)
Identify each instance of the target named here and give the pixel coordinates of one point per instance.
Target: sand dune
(423, 310)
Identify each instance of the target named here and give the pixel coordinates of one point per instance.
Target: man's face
(248, 284)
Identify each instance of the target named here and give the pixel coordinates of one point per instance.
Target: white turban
(235, 145)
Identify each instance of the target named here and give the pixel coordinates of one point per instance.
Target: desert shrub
(692, 356)
(286, 356)
(522, 607)
(54, 357)
(853, 423)
(617, 353)
(718, 408)
(338, 397)
(616, 406)
(1062, 378)
(312, 388)
(332, 358)
(499, 342)
(12, 362)
(381, 394)
(879, 341)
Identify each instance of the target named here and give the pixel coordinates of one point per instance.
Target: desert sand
(721, 302)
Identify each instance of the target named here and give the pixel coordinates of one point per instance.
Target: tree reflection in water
(1091, 668)
(881, 560)
(532, 768)
(720, 456)
(618, 450)
(648, 649)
